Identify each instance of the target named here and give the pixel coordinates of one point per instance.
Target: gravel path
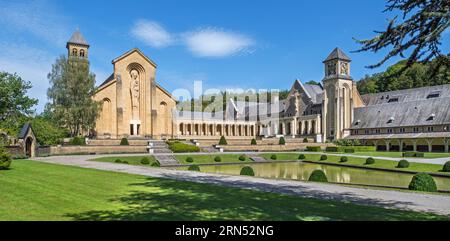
(439, 204)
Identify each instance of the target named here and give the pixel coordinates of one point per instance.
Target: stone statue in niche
(134, 89)
(344, 68)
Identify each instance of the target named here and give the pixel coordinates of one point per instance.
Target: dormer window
(431, 117)
(357, 122)
(434, 95)
(391, 120)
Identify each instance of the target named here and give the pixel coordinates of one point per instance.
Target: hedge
(413, 154)
(301, 157)
(344, 159)
(247, 171)
(318, 176)
(323, 157)
(179, 147)
(350, 149)
(273, 157)
(218, 159)
(331, 149)
(189, 159)
(313, 148)
(77, 141)
(423, 182)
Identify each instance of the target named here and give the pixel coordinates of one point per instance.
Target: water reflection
(302, 171)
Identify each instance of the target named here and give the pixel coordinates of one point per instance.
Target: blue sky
(225, 44)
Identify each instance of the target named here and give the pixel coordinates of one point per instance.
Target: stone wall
(77, 150)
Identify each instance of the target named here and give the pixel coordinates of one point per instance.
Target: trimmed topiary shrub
(124, 142)
(403, 164)
(349, 150)
(5, 159)
(247, 171)
(301, 157)
(145, 161)
(254, 143)
(282, 141)
(313, 148)
(318, 176)
(323, 157)
(218, 159)
(242, 158)
(118, 161)
(305, 140)
(446, 167)
(223, 141)
(331, 149)
(189, 160)
(273, 157)
(423, 182)
(370, 161)
(194, 168)
(125, 162)
(344, 159)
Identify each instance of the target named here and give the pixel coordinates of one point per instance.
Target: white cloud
(204, 42)
(35, 17)
(152, 34)
(212, 42)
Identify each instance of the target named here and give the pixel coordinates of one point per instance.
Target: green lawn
(132, 160)
(417, 167)
(209, 159)
(38, 191)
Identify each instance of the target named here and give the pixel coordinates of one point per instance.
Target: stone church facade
(135, 105)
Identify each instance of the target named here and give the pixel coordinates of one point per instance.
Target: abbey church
(134, 105)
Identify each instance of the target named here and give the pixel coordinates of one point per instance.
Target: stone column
(414, 145)
(430, 145)
(388, 142)
(446, 142)
(400, 143)
(293, 128)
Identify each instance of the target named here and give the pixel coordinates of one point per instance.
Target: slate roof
(400, 136)
(24, 130)
(77, 38)
(413, 108)
(109, 79)
(337, 53)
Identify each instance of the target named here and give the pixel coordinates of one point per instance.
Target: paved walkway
(439, 204)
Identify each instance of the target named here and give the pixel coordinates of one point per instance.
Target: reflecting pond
(302, 171)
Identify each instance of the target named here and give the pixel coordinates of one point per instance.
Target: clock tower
(338, 102)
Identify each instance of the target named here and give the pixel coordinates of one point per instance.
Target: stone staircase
(257, 158)
(167, 160)
(159, 147)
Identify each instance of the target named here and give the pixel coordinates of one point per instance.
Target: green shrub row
(77, 141)
(313, 149)
(179, 147)
(120, 161)
(413, 154)
(350, 149)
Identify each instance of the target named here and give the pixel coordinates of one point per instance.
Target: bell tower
(338, 96)
(77, 46)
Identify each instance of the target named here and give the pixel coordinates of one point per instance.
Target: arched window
(163, 103)
(82, 53)
(74, 52)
